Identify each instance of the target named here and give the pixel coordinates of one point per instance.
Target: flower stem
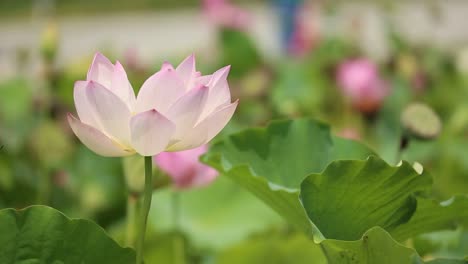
(404, 142)
(145, 208)
(44, 187)
(176, 210)
(179, 252)
(132, 218)
(179, 245)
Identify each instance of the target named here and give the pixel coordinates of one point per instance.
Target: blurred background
(356, 65)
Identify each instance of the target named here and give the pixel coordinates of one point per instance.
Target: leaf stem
(147, 194)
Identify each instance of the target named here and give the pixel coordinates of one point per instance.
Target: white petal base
(96, 140)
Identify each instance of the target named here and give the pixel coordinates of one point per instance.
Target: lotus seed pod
(420, 121)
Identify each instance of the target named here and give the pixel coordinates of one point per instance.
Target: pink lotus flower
(185, 169)
(350, 133)
(360, 82)
(223, 13)
(176, 109)
(305, 34)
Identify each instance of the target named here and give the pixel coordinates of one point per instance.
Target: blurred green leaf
(15, 99)
(238, 50)
(170, 248)
(41, 234)
(432, 216)
(272, 162)
(6, 176)
(295, 91)
(134, 172)
(375, 246)
(273, 249)
(98, 183)
(446, 244)
(447, 261)
(349, 149)
(388, 129)
(16, 113)
(307, 86)
(214, 216)
(23, 179)
(50, 145)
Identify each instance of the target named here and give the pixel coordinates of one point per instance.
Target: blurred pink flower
(185, 169)
(350, 133)
(225, 14)
(305, 35)
(176, 109)
(360, 82)
(419, 82)
(132, 60)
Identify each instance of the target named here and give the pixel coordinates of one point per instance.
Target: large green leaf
(272, 162)
(346, 149)
(432, 216)
(40, 234)
(284, 153)
(98, 184)
(375, 246)
(350, 197)
(283, 201)
(448, 261)
(274, 249)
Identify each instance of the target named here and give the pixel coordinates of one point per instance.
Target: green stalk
(179, 250)
(132, 218)
(179, 254)
(145, 208)
(176, 209)
(43, 194)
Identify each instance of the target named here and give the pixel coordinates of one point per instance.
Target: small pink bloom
(176, 109)
(185, 169)
(419, 82)
(360, 82)
(305, 35)
(350, 133)
(223, 13)
(132, 60)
